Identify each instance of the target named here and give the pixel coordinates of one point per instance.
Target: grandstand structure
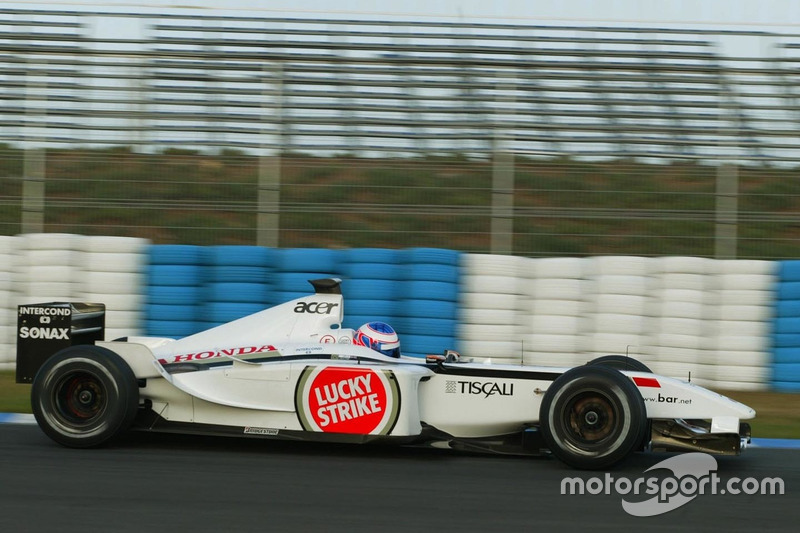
(500, 94)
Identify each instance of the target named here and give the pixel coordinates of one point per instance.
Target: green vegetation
(14, 397)
(777, 414)
(561, 206)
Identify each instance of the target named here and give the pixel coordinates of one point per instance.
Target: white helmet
(379, 336)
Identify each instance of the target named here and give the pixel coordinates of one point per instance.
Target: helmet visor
(392, 349)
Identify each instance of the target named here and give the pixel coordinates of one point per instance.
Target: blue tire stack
(295, 266)
(428, 301)
(370, 286)
(238, 283)
(786, 331)
(175, 290)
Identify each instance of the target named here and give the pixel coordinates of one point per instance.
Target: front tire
(84, 396)
(592, 417)
(620, 362)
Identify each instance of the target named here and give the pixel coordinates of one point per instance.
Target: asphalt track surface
(147, 483)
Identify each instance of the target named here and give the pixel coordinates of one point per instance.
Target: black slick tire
(592, 417)
(84, 396)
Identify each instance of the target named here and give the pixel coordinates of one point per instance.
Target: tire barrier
(554, 298)
(175, 270)
(239, 282)
(112, 272)
(684, 316)
(48, 267)
(729, 324)
(295, 266)
(429, 280)
(370, 286)
(742, 321)
(8, 315)
(491, 293)
(785, 369)
(681, 317)
(618, 306)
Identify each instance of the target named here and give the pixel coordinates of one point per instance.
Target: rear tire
(592, 417)
(84, 396)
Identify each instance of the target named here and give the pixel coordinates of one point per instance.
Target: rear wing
(44, 329)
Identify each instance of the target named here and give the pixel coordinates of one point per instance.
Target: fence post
(33, 179)
(727, 204)
(33, 190)
(726, 211)
(502, 225)
(269, 166)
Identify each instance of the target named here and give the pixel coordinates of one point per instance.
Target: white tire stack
(553, 310)
(490, 295)
(8, 314)
(618, 306)
(740, 346)
(112, 273)
(684, 300)
(48, 267)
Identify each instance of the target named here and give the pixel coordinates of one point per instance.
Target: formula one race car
(291, 372)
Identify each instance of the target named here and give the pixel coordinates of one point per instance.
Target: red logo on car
(646, 382)
(351, 400)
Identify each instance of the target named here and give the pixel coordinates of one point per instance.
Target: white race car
(291, 372)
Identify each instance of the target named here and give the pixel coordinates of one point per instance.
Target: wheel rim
(79, 398)
(590, 419)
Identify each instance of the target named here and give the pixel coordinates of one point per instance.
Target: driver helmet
(380, 337)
